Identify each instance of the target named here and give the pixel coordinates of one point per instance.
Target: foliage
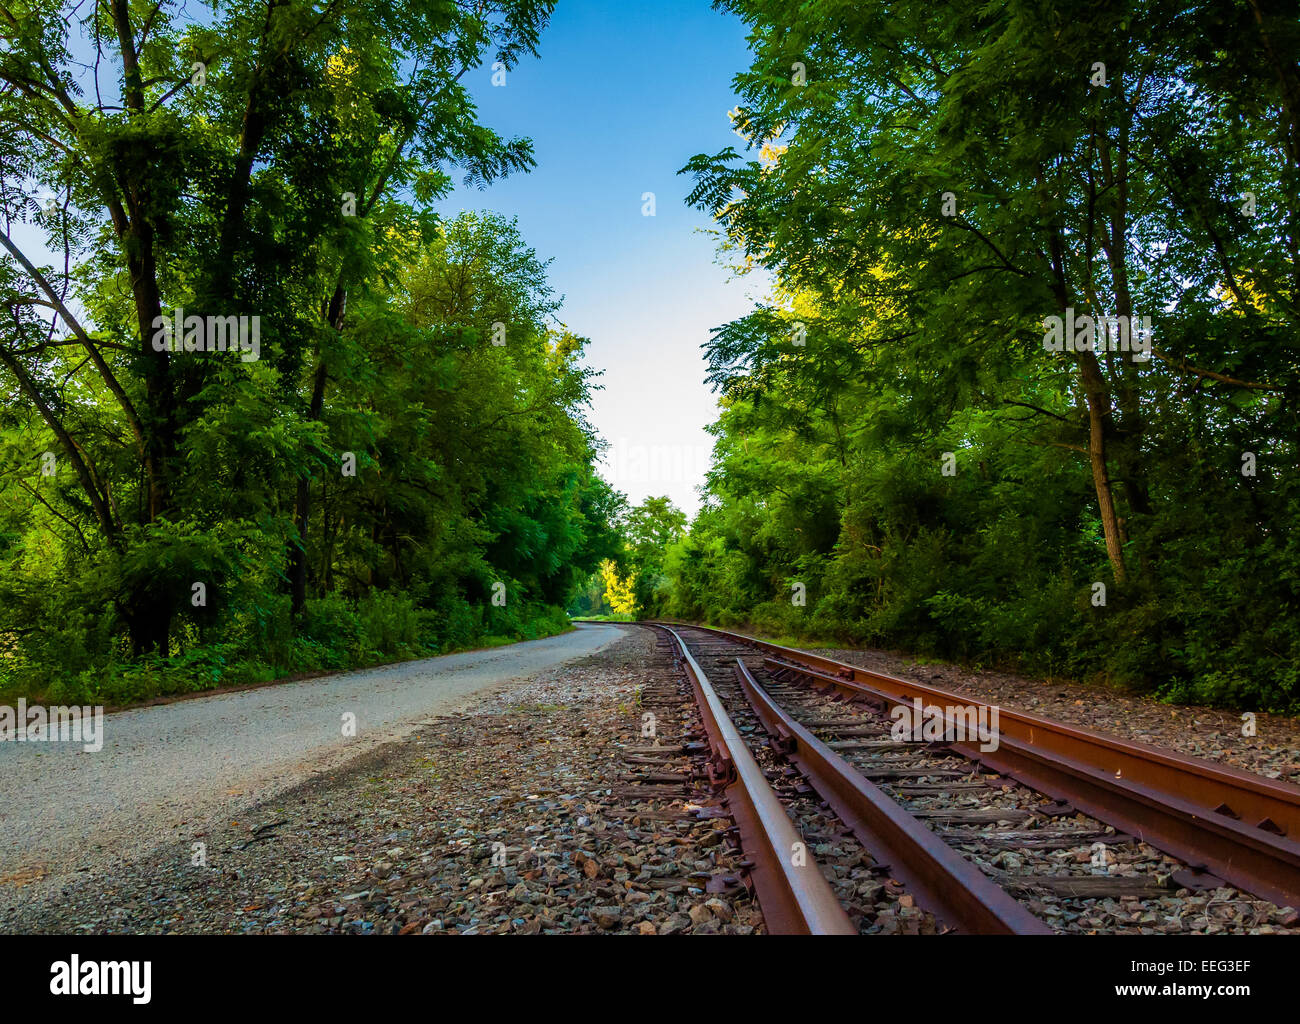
(619, 593)
(408, 436)
(895, 434)
(647, 531)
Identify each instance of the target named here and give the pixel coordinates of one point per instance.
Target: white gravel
(169, 767)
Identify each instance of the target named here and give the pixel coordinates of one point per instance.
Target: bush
(74, 663)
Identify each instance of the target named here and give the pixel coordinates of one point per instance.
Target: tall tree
(244, 164)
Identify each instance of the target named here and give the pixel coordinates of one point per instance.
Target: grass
(612, 617)
(166, 682)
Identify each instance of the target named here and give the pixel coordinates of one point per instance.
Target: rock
(721, 909)
(646, 928)
(607, 917)
(675, 924)
(700, 913)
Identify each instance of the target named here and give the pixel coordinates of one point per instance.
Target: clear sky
(625, 92)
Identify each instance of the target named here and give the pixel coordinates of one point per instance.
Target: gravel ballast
(1216, 735)
(520, 808)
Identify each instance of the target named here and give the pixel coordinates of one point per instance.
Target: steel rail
(793, 895)
(943, 882)
(1224, 823)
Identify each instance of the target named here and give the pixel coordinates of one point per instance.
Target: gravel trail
(166, 769)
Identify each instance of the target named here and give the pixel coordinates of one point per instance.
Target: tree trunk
(1098, 398)
(302, 502)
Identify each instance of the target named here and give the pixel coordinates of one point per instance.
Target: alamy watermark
(58, 724)
(184, 333)
(1098, 334)
(658, 464)
(73, 977)
(919, 722)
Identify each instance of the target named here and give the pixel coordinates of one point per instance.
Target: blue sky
(623, 95)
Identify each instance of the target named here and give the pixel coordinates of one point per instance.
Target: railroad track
(1018, 836)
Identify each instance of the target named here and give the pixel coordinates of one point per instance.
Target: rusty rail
(794, 896)
(1226, 824)
(944, 882)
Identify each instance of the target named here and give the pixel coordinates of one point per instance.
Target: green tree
(244, 164)
(648, 529)
(941, 185)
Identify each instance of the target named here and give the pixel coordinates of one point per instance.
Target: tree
(241, 166)
(619, 593)
(648, 529)
(937, 197)
(392, 457)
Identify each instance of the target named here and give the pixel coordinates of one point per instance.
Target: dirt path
(162, 771)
